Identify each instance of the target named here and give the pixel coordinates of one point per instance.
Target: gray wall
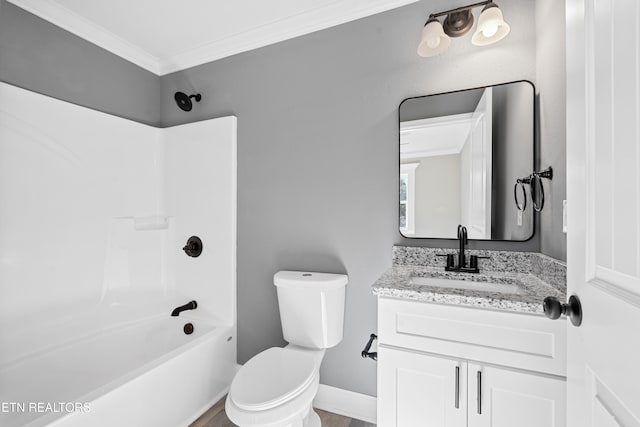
(551, 86)
(318, 159)
(41, 57)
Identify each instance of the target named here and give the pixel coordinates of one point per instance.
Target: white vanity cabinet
(416, 389)
(508, 398)
(445, 365)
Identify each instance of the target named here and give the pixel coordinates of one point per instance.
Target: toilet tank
(311, 307)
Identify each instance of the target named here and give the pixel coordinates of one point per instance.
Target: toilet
(276, 388)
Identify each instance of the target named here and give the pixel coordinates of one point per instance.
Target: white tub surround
(95, 211)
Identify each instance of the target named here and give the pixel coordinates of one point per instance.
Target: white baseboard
(348, 403)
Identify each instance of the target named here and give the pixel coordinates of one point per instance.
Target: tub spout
(191, 305)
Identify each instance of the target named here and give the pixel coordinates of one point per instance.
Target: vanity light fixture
(436, 36)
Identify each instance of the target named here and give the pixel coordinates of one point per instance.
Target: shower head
(184, 101)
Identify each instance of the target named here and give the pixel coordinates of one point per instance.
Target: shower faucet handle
(193, 248)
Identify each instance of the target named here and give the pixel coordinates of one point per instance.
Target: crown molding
(332, 14)
(454, 119)
(87, 30)
(287, 28)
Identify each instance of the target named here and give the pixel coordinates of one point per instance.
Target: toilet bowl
(276, 387)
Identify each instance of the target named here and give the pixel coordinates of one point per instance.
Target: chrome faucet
(462, 259)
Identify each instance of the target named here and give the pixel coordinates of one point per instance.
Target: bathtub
(146, 372)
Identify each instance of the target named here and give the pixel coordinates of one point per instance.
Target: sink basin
(503, 288)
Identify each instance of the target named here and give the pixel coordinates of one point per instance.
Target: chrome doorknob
(553, 309)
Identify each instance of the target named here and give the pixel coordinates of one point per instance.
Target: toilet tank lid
(301, 279)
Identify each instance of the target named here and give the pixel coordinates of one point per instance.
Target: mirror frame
(534, 160)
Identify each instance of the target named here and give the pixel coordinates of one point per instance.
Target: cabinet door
(506, 398)
(419, 390)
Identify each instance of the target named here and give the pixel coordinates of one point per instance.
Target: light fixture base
(457, 24)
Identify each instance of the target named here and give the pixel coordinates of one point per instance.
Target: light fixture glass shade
(434, 41)
(491, 26)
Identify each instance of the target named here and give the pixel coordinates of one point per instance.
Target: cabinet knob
(553, 309)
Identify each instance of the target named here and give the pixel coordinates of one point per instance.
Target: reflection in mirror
(460, 156)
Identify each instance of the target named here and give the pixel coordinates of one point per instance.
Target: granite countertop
(532, 276)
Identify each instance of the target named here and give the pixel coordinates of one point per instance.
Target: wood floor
(216, 417)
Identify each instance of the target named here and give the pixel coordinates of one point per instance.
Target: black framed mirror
(460, 156)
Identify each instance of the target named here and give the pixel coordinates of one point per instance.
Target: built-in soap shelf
(147, 223)
(154, 222)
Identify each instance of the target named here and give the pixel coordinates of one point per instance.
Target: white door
(502, 397)
(477, 177)
(416, 390)
(603, 186)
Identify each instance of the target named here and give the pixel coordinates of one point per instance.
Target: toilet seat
(287, 414)
(272, 378)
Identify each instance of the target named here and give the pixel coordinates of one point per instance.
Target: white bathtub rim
(112, 327)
